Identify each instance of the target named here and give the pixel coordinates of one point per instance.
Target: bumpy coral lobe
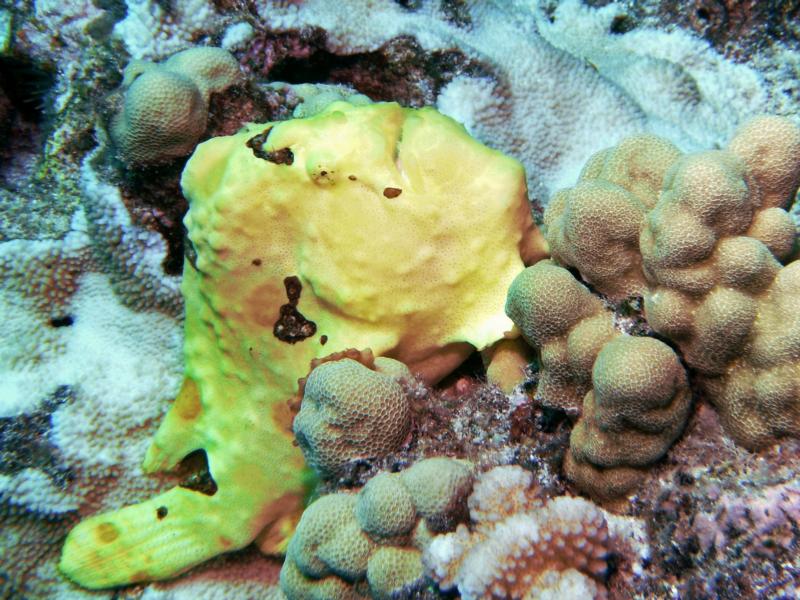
(633, 390)
(370, 545)
(567, 323)
(637, 409)
(420, 277)
(350, 411)
(640, 389)
(165, 107)
(596, 224)
(705, 250)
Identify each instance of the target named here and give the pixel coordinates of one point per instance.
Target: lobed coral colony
(702, 238)
(395, 384)
(165, 108)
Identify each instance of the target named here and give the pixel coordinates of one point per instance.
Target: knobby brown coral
(701, 237)
(351, 411)
(369, 545)
(567, 323)
(634, 391)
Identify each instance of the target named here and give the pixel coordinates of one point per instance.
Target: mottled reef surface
(92, 248)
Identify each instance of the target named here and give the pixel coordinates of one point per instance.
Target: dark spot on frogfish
(106, 533)
(283, 156)
(291, 326)
(161, 512)
(391, 192)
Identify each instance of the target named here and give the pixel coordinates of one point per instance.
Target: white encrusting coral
(152, 32)
(555, 91)
(90, 318)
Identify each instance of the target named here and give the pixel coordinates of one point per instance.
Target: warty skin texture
(303, 218)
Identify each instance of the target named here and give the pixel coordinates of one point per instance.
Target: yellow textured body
(403, 234)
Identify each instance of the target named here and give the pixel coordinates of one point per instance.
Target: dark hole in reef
(409, 4)
(64, 321)
(549, 419)
(354, 473)
(26, 84)
(256, 262)
(25, 87)
(291, 326)
(161, 512)
(316, 68)
(400, 70)
(176, 252)
(612, 565)
(154, 199)
(703, 14)
(621, 24)
(472, 368)
(198, 477)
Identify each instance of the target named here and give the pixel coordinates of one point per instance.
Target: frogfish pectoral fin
(156, 539)
(179, 434)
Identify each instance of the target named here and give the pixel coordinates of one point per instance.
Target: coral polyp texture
(165, 106)
(351, 411)
(637, 409)
(633, 392)
(702, 237)
(568, 325)
(310, 236)
(521, 546)
(369, 544)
